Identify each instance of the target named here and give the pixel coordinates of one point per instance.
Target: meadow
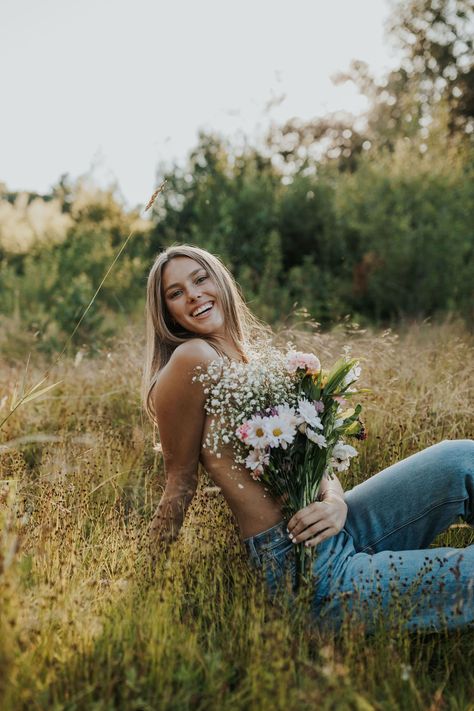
(87, 622)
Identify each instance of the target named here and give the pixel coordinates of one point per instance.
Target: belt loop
(253, 552)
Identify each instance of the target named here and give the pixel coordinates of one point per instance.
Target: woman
(372, 541)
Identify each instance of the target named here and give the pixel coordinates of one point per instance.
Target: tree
(298, 145)
(273, 296)
(437, 41)
(394, 109)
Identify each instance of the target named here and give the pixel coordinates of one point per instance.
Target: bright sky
(118, 86)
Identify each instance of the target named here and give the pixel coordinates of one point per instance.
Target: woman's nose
(194, 293)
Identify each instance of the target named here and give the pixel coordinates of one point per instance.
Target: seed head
(155, 195)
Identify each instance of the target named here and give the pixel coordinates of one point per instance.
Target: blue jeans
(379, 567)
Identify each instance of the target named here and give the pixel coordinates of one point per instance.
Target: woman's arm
(321, 519)
(179, 407)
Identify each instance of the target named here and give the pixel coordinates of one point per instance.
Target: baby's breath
(236, 391)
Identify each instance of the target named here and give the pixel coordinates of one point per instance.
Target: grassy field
(87, 624)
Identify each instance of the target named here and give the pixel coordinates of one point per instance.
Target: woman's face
(192, 297)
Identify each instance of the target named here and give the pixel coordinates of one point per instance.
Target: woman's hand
(318, 521)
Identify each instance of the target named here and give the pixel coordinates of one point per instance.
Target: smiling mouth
(204, 309)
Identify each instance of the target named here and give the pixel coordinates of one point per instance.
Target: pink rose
(296, 360)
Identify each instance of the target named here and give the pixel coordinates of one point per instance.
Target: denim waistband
(266, 540)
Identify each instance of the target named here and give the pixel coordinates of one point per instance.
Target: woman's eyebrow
(189, 276)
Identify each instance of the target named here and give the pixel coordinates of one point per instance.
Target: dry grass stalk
(154, 196)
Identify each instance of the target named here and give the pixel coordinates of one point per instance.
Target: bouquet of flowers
(286, 420)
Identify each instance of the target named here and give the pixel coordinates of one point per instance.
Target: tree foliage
(437, 41)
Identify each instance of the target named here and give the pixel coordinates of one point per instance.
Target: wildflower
(257, 472)
(242, 431)
(318, 439)
(362, 433)
(288, 412)
(256, 461)
(341, 456)
(281, 430)
(309, 413)
(257, 435)
(353, 374)
(318, 406)
(305, 361)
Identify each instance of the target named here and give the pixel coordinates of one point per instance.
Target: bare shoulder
(194, 352)
(177, 374)
(189, 355)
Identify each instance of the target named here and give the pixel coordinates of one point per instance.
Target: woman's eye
(175, 293)
(200, 279)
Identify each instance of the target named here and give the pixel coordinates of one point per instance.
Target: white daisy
(280, 430)
(290, 413)
(257, 435)
(309, 413)
(318, 439)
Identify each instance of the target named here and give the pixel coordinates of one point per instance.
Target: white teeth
(202, 308)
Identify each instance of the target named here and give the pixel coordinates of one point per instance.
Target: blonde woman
(372, 541)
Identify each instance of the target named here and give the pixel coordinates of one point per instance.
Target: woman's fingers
(305, 517)
(310, 515)
(328, 515)
(311, 531)
(322, 531)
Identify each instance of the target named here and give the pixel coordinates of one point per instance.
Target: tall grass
(86, 623)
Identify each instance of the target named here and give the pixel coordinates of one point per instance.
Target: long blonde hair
(163, 335)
